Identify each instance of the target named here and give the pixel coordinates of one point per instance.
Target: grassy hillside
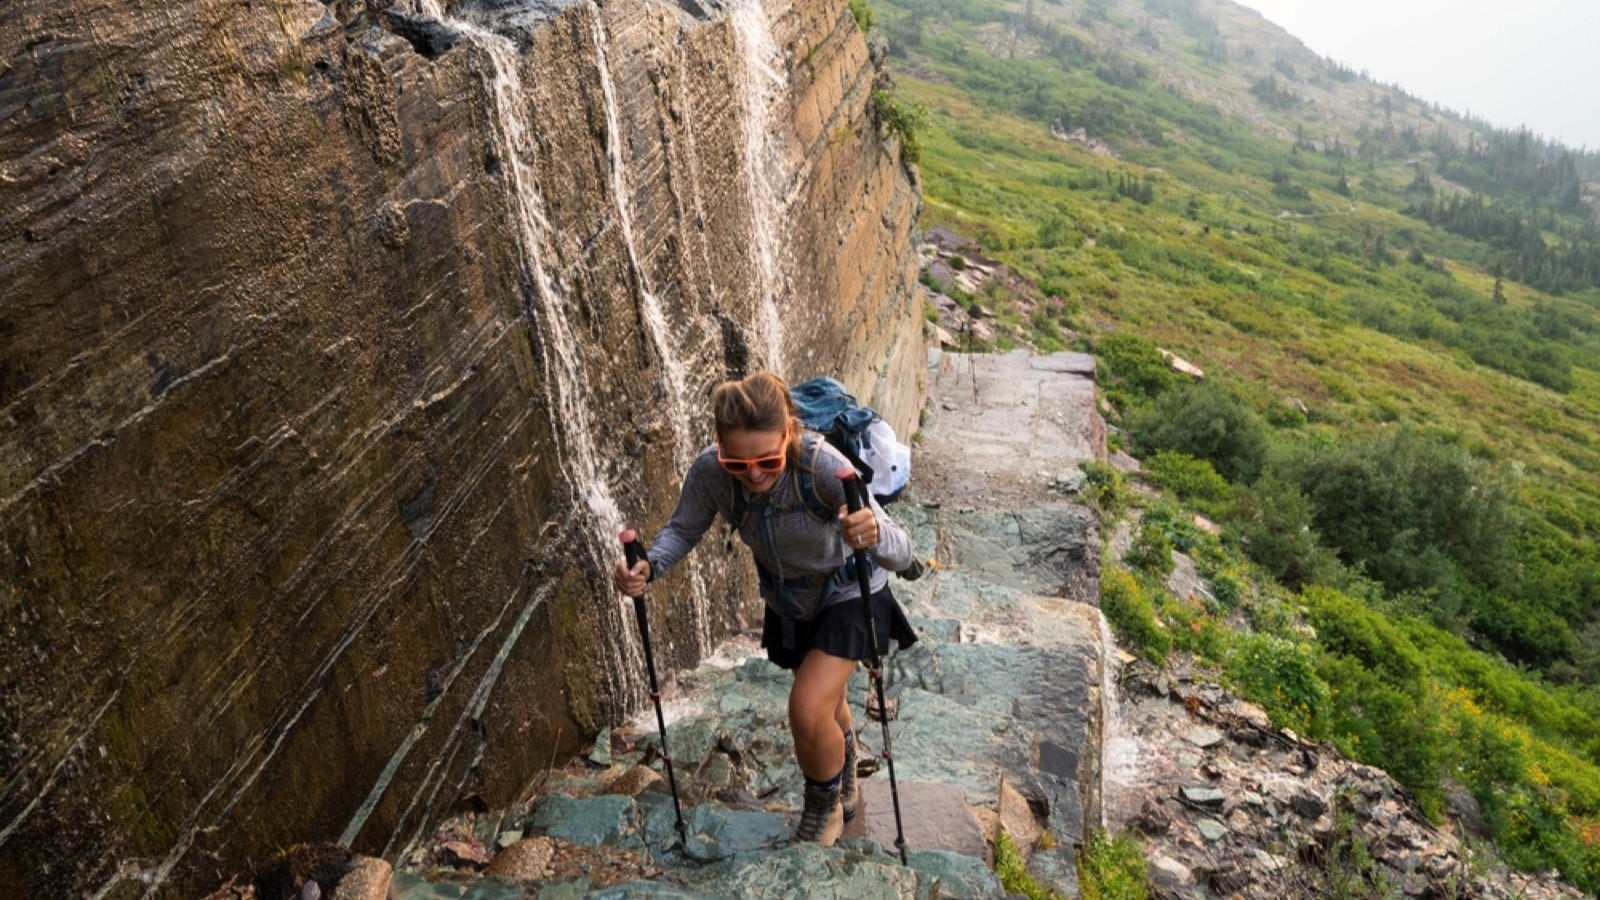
(1396, 309)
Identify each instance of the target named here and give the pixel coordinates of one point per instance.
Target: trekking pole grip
(632, 547)
(853, 488)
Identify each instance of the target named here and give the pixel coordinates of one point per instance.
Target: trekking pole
(855, 495)
(635, 553)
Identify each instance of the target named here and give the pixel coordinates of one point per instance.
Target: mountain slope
(1400, 305)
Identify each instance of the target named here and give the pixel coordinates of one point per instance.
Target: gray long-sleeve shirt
(786, 538)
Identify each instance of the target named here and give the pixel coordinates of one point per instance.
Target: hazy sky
(1513, 62)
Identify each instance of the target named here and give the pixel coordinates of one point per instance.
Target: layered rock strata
(336, 341)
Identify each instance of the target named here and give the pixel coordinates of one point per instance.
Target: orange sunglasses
(738, 465)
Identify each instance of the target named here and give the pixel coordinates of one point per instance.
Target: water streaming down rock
(760, 83)
(669, 355)
(547, 309)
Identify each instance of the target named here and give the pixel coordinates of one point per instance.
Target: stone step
(934, 816)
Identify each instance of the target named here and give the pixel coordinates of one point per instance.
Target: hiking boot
(849, 793)
(822, 820)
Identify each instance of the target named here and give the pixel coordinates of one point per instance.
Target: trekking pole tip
(628, 536)
(848, 473)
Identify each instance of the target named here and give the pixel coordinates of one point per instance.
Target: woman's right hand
(632, 581)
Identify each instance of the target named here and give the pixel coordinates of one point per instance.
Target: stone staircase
(995, 712)
(982, 731)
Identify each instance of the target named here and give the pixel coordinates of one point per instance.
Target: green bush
(1346, 627)
(1151, 552)
(1132, 365)
(1281, 676)
(1270, 521)
(899, 120)
(1132, 615)
(1012, 870)
(1106, 489)
(1228, 590)
(1413, 511)
(1205, 420)
(1522, 628)
(1195, 631)
(1189, 478)
(862, 13)
(1537, 836)
(1397, 730)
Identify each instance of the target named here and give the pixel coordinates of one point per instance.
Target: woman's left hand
(860, 527)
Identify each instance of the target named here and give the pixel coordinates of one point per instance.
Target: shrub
(1189, 478)
(1397, 730)
(1106, 489)
(862, 13)
(1523, 630)
(1195, 631)
(1133, 365)
(1151, 552)
(1412, 510)
(1282, 677)
(899, 120)
(1132, 615)
(1228, 590)
(1537, 836)
(1346, 627)
(1012, 870)
(1205, 420)
(1271, 522)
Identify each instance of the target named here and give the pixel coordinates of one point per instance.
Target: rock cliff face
(336, 341)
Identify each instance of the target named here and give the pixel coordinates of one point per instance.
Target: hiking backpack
(882, 461)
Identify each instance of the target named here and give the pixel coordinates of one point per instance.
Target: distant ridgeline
(1106, 69)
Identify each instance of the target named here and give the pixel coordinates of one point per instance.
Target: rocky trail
(1004, 716)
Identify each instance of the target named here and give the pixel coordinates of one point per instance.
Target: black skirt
(839, 630)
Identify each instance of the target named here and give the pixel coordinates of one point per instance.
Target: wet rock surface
(962, 729)
(332, 338)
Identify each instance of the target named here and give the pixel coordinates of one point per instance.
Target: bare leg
(816, 705)
(842, 714)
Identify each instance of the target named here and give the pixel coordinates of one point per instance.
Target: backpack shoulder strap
(842, 444)
(811, 450)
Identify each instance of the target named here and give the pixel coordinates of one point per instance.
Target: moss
(1012, 871)
(862, 13)
(898, 120)
(1112, 868)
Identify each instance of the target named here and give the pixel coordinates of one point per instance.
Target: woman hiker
(776, 484)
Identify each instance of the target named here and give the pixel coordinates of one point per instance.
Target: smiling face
(748, 445)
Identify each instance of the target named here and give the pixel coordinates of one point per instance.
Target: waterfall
(545, 307)
(668, 351)
(765, 162)
(1119, 751)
